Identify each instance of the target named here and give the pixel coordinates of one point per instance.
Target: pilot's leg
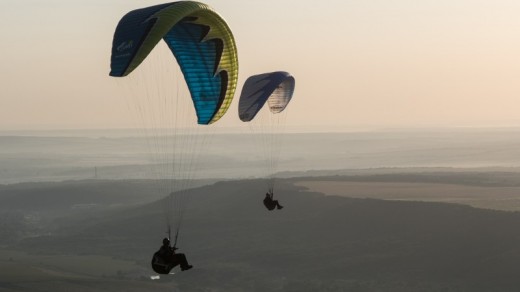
(181, 259)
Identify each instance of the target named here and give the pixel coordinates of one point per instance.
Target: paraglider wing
(275, 88)
(201, 42)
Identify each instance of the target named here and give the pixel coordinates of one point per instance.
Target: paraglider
(270, 203)
(165, 259)
(205, 52)
(199, 39)
(276, 89)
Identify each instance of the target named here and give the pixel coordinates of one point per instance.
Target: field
(505, 198)
(32, 272)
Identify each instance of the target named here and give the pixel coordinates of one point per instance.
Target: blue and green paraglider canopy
(201, 42)
(203, 46)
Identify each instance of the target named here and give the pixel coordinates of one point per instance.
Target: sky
(357, 64)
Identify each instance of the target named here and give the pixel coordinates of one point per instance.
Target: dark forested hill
(316, 243)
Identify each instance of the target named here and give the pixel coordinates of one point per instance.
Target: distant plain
(388, 211)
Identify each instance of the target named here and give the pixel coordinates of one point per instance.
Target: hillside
(317, 243)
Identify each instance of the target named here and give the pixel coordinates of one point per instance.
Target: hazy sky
(364, 63)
